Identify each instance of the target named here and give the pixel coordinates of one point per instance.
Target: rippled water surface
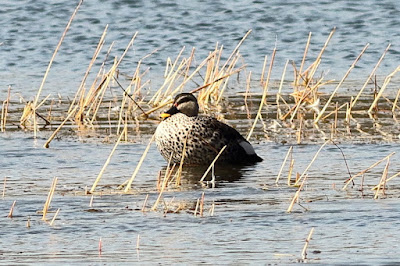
(249, 224)
(245, 219)
(32, 29)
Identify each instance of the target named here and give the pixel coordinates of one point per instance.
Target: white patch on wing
(247, 147)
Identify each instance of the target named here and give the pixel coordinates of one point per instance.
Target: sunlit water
(250, 223)
(32, 29)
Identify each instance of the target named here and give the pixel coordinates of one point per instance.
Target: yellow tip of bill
(165, 115)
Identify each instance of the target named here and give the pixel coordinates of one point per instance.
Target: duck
(199, 138)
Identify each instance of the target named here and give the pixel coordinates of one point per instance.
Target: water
(32, 30)
(250, 224)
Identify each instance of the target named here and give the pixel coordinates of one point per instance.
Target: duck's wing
(219, 134)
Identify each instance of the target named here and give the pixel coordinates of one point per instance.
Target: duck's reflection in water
(192, 175)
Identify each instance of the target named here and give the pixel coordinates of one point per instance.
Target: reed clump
(298, 108)
(289, 110)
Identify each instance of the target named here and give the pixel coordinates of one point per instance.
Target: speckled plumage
(206, 136)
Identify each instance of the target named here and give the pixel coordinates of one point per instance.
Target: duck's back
(205, 136)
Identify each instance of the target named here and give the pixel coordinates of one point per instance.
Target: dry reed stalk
(164, 185)
(290, 172)
(264, 96)
(298, 133)
(202, 204)
(107, 161)
(168, 64)
(55, 52)
(336, 116)
(173, 79)
(382, 181)
(28, 222)
(395, 102)
(310, 72)
(212, 67)
(163, 104)
(221, 92)
(312, 161)
(296, 195)
(4, 110)
(340, 83)
(212, 209)
(49, 114)
(304, 252)
(10, 213)
(317, 62)
(385, 83)
(29, 112)
(169, 78)
(188, 64)
(369, 77)
(299, 75)
(54, 217)
(197, 207)
(217, 80)
(95, 105)
(289, 152)
(94, 95)
(130, 44)
(91, 201)
(212, 163)
(237, 48)
(167, 172)
(138, 242)
(278, 94)
(2, 127)
(144, 203)
(386, 180)
(129, 184)
(94, 57)
(179, 172)
(248, 80)
(134, 80)
(263, 70)
(49, 198)
(366, 170)
(4, 187)
(100, 76)
(301, 96)
(214, 72)
(47, 144)
(335, 112)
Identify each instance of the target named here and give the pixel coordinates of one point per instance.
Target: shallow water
(249, 224)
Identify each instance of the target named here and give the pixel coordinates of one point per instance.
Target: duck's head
(184, 103)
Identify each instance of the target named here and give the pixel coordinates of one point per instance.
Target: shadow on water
(218, 174)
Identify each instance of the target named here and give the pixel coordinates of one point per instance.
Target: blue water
(31, 30)
(250, 224)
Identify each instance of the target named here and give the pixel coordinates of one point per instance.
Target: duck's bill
(165, 115)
